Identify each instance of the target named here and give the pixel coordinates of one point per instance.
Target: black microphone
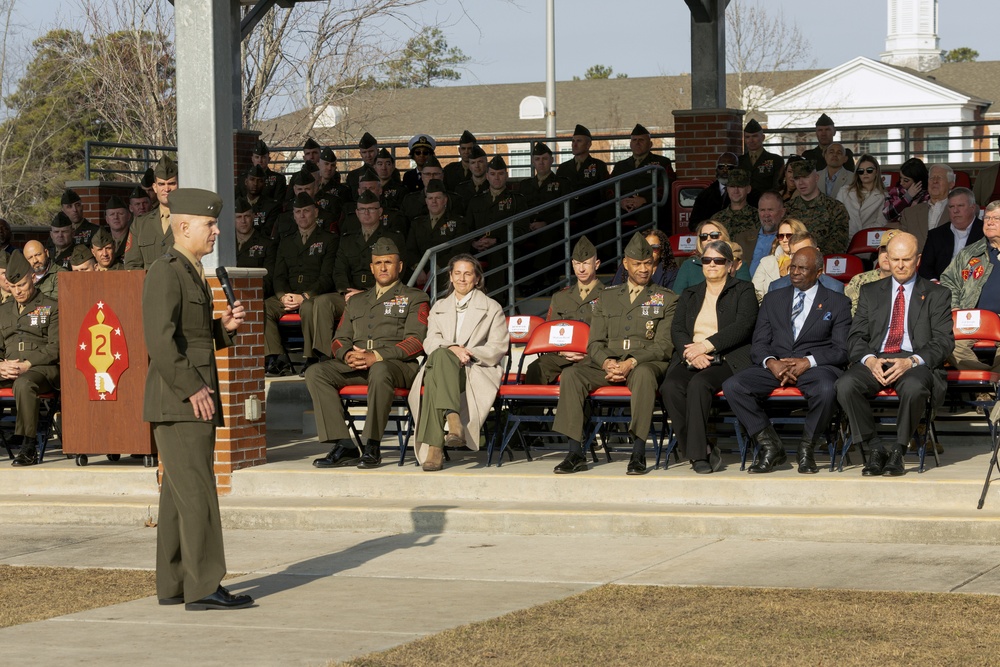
(227, 286)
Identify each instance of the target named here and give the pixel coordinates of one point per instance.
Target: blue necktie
(797, 307)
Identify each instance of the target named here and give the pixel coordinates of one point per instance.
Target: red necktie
(895, 339)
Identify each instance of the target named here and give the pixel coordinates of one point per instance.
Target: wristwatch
(914, 362)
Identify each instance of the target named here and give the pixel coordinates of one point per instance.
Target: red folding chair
(548, 337)
(867, 241)
(356, 396)
(48, 406)
(290, 329)
(965, 387)
(519, 328)
(887, 400)
(842, 267)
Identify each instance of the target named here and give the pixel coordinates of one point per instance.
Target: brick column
(700, 135)
(243, 141)
(241, 443)
(95, 194)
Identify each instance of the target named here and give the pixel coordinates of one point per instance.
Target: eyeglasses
(784, 237)
(866, 170)
(718, 261)
(655, 246)
(725, 167)
(421, 151)
(715, 236)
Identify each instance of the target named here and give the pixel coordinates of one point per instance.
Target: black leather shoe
(372, 458)
(807, 460)
(572, 463)
(311, 361)
(876, 462)
(220, 599)
(339, 457)
(27, 456)
(894, 465)
(702, 467)
(174, 600)
(715, 459)
(772, 456)
(637, 465)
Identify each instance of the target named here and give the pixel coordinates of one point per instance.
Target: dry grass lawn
(35, 593)
(646, 625)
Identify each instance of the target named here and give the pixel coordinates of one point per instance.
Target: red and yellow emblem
(101, 352)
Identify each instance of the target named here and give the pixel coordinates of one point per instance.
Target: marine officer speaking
(182, 403)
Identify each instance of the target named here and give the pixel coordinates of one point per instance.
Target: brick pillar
(700, 135)
(241, 443)
(243, 141)
(95, 194)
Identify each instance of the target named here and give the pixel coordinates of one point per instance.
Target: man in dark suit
(801, 341)
(640, 143)
(183, 404)
(900, 338)
(945, 242)
(714, 198)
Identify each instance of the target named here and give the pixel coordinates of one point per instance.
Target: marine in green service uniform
(151, 235)
(253, 249)
(438, 226)
(764, 167)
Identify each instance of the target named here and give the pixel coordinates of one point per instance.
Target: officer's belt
(369, 344)
(626, 344)
(26, 345)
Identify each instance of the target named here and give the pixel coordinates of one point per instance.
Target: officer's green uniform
(764, 172)
(49, 283)
(391, 221)
(258, 252)
(640, 183)
(29, 332)
(150, 235)
(301, 268)
(580, 175)
(393, 325)
(621, 329)
(538, 193)
(61, 258)
(84, 232)
(566, 304)
(825, 217)
(466, 192)
(182, 337)
(352, 269)
(485, 210)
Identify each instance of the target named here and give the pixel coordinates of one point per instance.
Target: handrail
(434, 268)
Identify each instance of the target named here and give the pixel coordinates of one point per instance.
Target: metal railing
(434, 261)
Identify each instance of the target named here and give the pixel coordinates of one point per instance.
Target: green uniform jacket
(763, 173)
(466, 191)
(120, 247)
(84, 232)
(305, 268)
(391, 221)
(641, 330)
(265, 212)
(33, 335)
(258, 252)
(147, 241)
(352, 268)
(62, 258)
(826, 218)
(484, 210)
(963, 276)
(181, 337)
(49, 284)
(454, 174)
(423, 236)
(592, 172)
(284, 225)
(394, 325)
(536, 194)
(566, 304)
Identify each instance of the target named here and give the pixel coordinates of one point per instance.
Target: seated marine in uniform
(303, 272)
(629, 344)
(72, 208)
(438, 225)
(29, 335)
(43, 269)
(102, 249)
(377, 344)
(82, 259)
(351, 272)
(61, 235)
(119, 219)
(253, 248)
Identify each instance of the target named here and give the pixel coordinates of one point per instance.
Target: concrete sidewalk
(331, 596)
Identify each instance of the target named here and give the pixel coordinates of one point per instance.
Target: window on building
(520, 161)
(937, 149)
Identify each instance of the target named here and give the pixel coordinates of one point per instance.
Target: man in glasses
(764, 167)
(825, 131)
(919, 219)
(714, 198)
(421, 147)
(825, 217)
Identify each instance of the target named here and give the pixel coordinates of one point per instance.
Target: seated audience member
(711, 333)
(987, 185)
(393, 189)
(543, 187)
(377, 344)
(388, 217)
(834, 177)
(72, 208)
(576, 302)
(138, 203)
(825, 217)
(61, 235)
(800, 341)
(629, 345)
(4, 285)
(102, 249)
(303, 182)
(641, 144)
(864, 196)
(583, 171)
(265, 209)
(882, 270)
(82, 259)
(351, 272)
(303, 272)
(911, 189)
(275, 184)
(476, 184)
(945, 242)
(458, 171)
(367, 150)
(29, 333)
(764, 167)
(900, 338)
(786, 179)
(150, 236)
(739, 216)
(498, 203)
(44, 271)
(466, 340)
(715, 197)
(253, 249)
(969, 277)
(414, 204)
(919, 219)
(119, 220)
(438, 225)
(331, 194)
(690, 271)
(797, 242)
(776, 264)
(664, 264)
(758, 241)
(421, 148)
(825, 132)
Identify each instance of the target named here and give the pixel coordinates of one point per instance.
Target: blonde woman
(776, 264)
(864, 198)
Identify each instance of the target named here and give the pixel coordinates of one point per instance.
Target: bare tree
(760, 42)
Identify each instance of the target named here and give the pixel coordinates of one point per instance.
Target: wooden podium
(103, 362)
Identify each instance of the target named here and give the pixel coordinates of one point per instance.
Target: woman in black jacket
(712, 330)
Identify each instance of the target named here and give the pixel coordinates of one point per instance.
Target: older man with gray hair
(919, 219)
(946, 241)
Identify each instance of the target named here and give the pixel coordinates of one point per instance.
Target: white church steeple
(911, 39)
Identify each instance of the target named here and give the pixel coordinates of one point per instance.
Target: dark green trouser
(190, 558)
(27, 387)
(444, 382)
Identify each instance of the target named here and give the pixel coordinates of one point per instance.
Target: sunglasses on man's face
(715, 236)
(866, 170)
(421, 152)
(718, 261)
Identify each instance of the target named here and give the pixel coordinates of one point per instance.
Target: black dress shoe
(174, 600)
(372, 458)
(27, 456)
(637, 465)
(702, 467)
(876, 462)
(311, 361)
(339, 457)
(807, 460)
(572, 463)
(715, 459)
(220, 599)
(772, 456)
(894, 465)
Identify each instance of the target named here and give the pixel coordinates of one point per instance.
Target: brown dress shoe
(456, 434)
(434, 459)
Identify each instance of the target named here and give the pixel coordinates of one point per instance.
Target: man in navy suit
(900, 338)
(946, 241)
(800, 341)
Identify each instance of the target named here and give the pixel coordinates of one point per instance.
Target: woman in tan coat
(466, 341)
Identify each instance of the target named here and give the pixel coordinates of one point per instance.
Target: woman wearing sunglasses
(689, 272)
(775, 265)
(711, 330)
(864, 198)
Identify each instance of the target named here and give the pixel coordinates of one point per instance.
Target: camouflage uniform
(738, 221)
(826, 218)
(853, 289)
